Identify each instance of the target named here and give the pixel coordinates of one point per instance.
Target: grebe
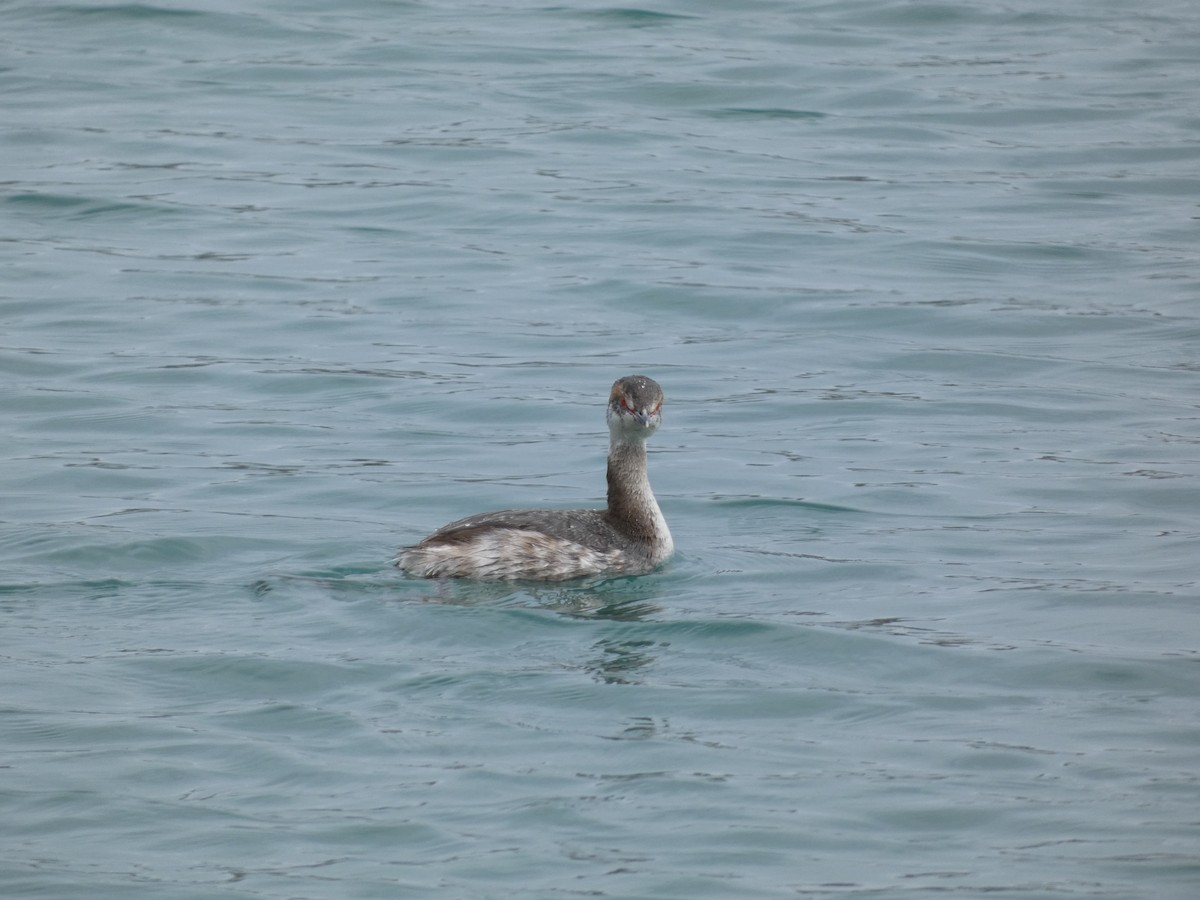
(630, 537)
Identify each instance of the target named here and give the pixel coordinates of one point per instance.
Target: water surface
(286, 286)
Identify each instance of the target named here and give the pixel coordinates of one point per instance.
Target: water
(287, 285)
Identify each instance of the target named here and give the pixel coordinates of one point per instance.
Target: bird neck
(631, 503)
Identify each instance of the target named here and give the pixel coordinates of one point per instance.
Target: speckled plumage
(629, 537)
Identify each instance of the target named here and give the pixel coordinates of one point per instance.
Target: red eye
(629, 406)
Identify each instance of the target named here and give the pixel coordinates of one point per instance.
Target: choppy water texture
(288, 284)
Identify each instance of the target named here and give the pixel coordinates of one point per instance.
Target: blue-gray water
(288, 284)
